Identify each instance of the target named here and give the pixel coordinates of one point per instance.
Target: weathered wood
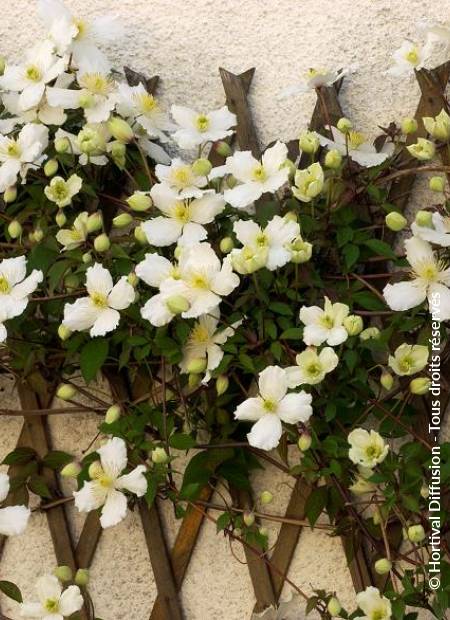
(88, 541)
(134, 78)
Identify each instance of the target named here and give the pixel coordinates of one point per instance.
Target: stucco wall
(185, 42)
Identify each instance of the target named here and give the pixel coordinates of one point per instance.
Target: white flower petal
(295, 408)
(162, 231)
(113, 457)
(405, 295)
(4, 486)
(122, 295)
(266, 432)
(70, 601)
(90, 497)
(251, 409)
(107, 320)
(154, 269)
(114, 510)
(81, 314)
(13, 520)
(135, 481)
(98, 280)
(272, 383)
(439, 296)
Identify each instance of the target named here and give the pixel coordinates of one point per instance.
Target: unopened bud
(263, 531)
(51, 167)
(437, 184)
(222, 383)
(60, 218)
(223, 148)
(159, 456)
(226, 245)
(395, 221)
(94, 222)
(132, 279)
(416, 533)
(353, 324)
(85, 100)
(409, 125)
(344, 125)
(102, 243)
(197, 365)
(333, 159)
(112, 414)
(64, 332)
(292, 168)
(304, 442)
(122, 220)
(10, 194)
(420, 386)
(66, 391)
(120, 129)
(382, 566)
(424, 491)
(194, 380)
(82, 577)
(231, 181)
(71, 282)
(177, 304)
(14, 229)
(369, 333)
(63, 573)
(424, 219)
(139, 201)
(248, 518)
(71, 470)
(334, 606)
(2, 65)
(266, 497)
(387, 380)
(87, 258)
(140, 235)
(308, 142)
(201, 167)
(37, 235)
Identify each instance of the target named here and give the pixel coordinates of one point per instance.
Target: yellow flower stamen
(202, 123)
(33, 73)
(96, 83)
(4, 285)
(355, 139)
(100, 300)
(259, 174)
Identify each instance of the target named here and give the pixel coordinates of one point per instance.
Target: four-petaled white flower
(312, 79)
(204, 343)
(180, 177)
(430, 280)
(408, 359)
(183, 220)
(255, 177)
(99, 312)
(54, 603)
(30, 79)
(311, 367)
(61, 192)
(196, 128)
(356, 146)
(273, 241)
(409, 57)
(272, 407)
(367, 449)
(439, 233)
(18, 155)
(136, 104)
(324, 325)
(71, 238)
(13, 519)
(374, 605)
(106, 489)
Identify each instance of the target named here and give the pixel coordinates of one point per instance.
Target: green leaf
(180, 441)
(280, 308)
(19, 456)
(315, 503)
(10, 590)
(38, 485)
(92, 357)
(293, 333)
(368, 301)
(223, 521)
(351, 254)
(56, 459)
(380, 248)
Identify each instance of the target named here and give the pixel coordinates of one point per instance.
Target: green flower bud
(64, 332)
(334, 606)
(387, 380)
(395, 221)
(409, 125)
(333, 159)
(420, 386)
(201, 167)
(248, 518)
(344, 125)
(82, 577)
(14, 229)
(86, 100)
(118, 150)
(231, 181)
(424, 218)
(304, 442)
(102, 243)
(159, 456)
(66, 391)
(132, 279)
(289, 164)
(308, 142)
(63, 573)
(139, 201)
(60, 218)
(71, 470)
(112, 414)
(37, 235)
(90, 141)
(266, 497)
(424, 491)
(140, 235)
(226, 245)
(369, 333)
(437, 184)
(263, 531)
(382, 566)
(120, 130)
(51, 167)
(62, 145)
(94, 222)
(291, 216)
(87, 258)
(194, 380)
(10, 194)
(197, 365)
(223, 148)
(301, 251)
(177, 304)
(2, 65)
(122, 220)
(222, 383)
(71, 282)
(416, 533)
(353, 324)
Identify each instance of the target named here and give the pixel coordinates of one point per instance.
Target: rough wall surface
(185, 42)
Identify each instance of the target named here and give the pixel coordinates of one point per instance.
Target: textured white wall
(185, 42)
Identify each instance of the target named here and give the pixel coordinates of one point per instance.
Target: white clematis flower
(30, 79)
(181, 179)
(71, 238)
(15, 288)
(155, 269)
(272, 407)
(13, 519)
(136, 104)
(106, 489)
(255, 177)
(273, 241)
(439, 234)
(195, 128)
(314, 78)
(182, 220)
(359, 150)
(42, 113)
(99, 312)
(430, 280)
(160, 309)
(409, 57)
(367, 449)
(54, 603)
(324, 325)
(204, 343)
(408, 359)
(311, 367)
(61, 192)
(374, 605)
(18, 155)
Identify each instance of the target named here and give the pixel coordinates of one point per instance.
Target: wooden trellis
(170, 566)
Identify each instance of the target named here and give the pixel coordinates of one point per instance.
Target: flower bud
(71, 282)
(14, 229)
(376, 517)
(420, 386)
(395, 221)
(424, 219)
(2, 65)
(102, 243)
(197, 365)
(231, 181)
(333, 159)
(266, 497)
(132, 279)
(248, 518)
(90, 141)
(226, 245)
(369, 333)
(237, 532)
(424, 491)
(71, 470)
(304, 442)
(423, 149)
(60, 218)
(222, 383)
(201, 167)
(263, 531)
(120, 130)
(308, 142)
(10, 194)
(122, 220)
(291, 216)
(36, 235)
(194, 380)
(140, 235)
(94, 222)
(62, 145)
(87, 258)
(118, 151)
(344, 125)
(64, 332)
(416, 533)
(382, 566)
(292, 168)
(139, 201)
(82, 577)
(159, 456)
(178, 304)
(301, 251)
(63, 573)
(112, 414)
(222, 148)
(85, 100)
(51, 167)
(387, 380)
(353, 324)
(437, 184)
(334, 606)
(409, 125)
(66, 391)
